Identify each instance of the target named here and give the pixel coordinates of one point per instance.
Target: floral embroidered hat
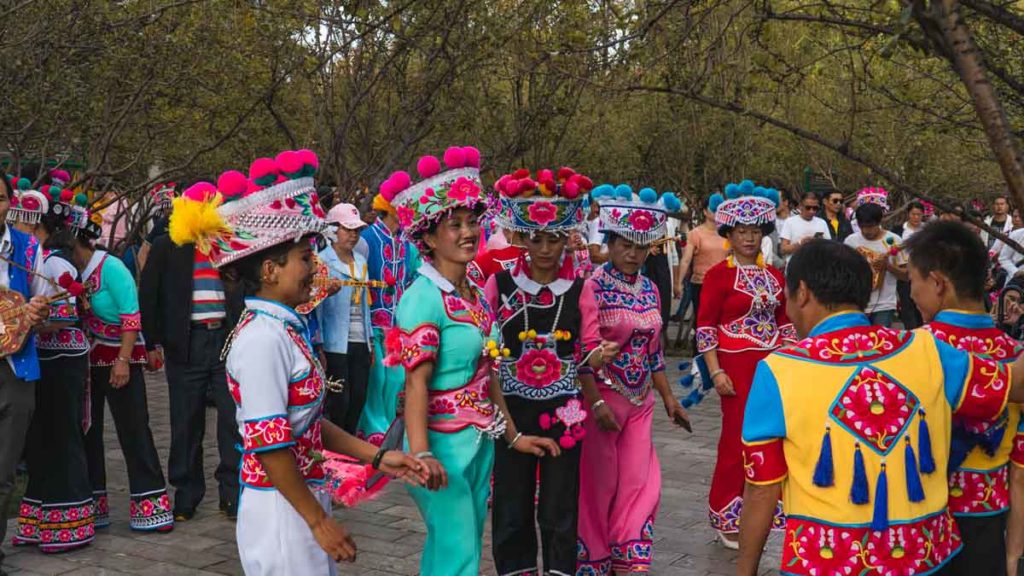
(553, 202)
(639, 217)
(744, 203)
(243, 215)
(873, 195)
(27, 205)
(438, 192)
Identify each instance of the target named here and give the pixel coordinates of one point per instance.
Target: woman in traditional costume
(117, 357)
(548, 322)
(56, 512)
(742, 319)
(259, 231)
(621, 477)
(446, 340)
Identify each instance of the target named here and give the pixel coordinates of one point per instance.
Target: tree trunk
(967, 61)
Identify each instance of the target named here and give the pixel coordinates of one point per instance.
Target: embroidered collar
(840, 321)
(381, 229)
(427, 269)
(276, 310)
(97, 259)
(523, 281)
(965, 319)
(620, 275)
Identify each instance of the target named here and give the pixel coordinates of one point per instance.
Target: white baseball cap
(346, 216)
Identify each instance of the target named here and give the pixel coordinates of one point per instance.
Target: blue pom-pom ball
(747, 187)
(715, 201)
(773, 195)
(732, 190)
(602, 190)
(671, 202)
(648, 195)
(624, 192)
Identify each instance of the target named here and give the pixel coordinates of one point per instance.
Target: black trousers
(131, 418)
(515, 518)
(58, 473)
(984, 550)
(353, 369)
(17, 402)
(909, 314)
(188, 385)
(657, 269)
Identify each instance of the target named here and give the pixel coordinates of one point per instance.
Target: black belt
(210, 325)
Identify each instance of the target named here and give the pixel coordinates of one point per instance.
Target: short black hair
(247, 273)
(869, 214)
(766, 229)
(1001, 196)
(915, 205)
(955, 251)
(809, 194)
(835, 273)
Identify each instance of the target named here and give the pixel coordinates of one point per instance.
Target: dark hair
(247, 272)
(869, 214)
(766, 229)
(809, 194)
(953, 250)
(915, 205)
(1001, 197)
(835, 273)
(59, 235)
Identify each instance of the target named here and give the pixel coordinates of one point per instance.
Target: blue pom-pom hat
(744, 203)
(638, 217)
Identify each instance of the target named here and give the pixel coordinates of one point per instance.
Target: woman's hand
(405, 467)
(677, 290)
(723, 384)
(606, 419)
(537, 445)
(119, 373)
(154, 359)
(38, 310)
(334, 539)
(437, 476)
(677, 414)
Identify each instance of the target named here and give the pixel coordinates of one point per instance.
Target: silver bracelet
(716, 373)
(425, 454)
(514, 440)
(598, 404)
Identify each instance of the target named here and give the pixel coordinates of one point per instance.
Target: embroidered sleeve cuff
(788, 333)
(764, 462)
(986, 390)
(1017, 454)
(63, 312)
(269, 433)
(410, 349)
(707, 339)
(131, 322)
(656, 362)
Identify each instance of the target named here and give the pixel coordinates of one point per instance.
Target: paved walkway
(388, 530)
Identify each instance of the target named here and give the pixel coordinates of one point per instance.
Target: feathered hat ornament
(638, 217)
(551, 202)
(242, 215)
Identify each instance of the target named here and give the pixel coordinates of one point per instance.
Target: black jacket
(165, 298)
(845, 228)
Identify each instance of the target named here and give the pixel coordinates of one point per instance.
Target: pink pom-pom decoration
(501, 184)
(14, 202)
(526, 185)
(428, 166)
(67, 195)
(545, 175)
(401, 179)
(387, 189)
(454, 157)
(346, 480)
(61, 176)
(472, 156)
(232, 184)
(200, 191)
(289, 163)
(567, 442)
(310, 161)
(263, 172)
(564, 173)
(585, 183)
(545, 421)
(571, 190)
(579, 432)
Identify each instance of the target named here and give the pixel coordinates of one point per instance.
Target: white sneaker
(729, 543)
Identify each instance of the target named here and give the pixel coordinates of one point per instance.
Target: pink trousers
(620, 487)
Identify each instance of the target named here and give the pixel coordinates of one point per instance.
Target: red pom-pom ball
(571, 190)
(521, 173)
(232, 183)
(289, 163)
(67, 195)
(428, 166)
(472, 156)
(564, 173)
(454, 157)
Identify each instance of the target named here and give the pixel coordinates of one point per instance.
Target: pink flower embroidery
(441, 406)
(146, 508)
(538, 368)
(405, 215)
(542, 213)
(462, 189)
(641, 220)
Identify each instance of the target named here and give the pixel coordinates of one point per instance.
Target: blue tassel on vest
(24, 249)
(924, 446)
(880, 520)
(915, 491)
(859, 490)
(993, 437)
(824, 474)
(961, 442)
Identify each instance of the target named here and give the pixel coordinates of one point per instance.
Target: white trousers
(273, 540)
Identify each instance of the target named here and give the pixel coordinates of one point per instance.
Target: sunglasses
(835, 200)
(812, 208)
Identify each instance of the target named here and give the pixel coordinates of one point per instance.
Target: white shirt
(908, 231)
(768, 250)
(1007, 228)
(594, 235)
(1009, 258)
(884, 298)
(796, 229)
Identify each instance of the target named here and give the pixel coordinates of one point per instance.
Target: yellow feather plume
(194, 222)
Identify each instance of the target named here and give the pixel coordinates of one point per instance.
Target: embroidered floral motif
(707, 338)
(812, 548)
(131, 322)
(410, 349)
(727, 519)
(985, 392)
(765, 462)
(55, 528)
(634, 556)
(979, 493)
(851, 346)
(101, 510)
(268, 433)
(629, 372)
(875, 408)
(459, 408)
(585, 566)
(989, 343)
(788, 333)
(150, 511)
(476, 313)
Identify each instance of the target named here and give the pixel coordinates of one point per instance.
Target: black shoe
(184, 515)
(229, 509)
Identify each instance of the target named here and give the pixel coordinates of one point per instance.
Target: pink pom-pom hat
(873, 195)
(542, 205)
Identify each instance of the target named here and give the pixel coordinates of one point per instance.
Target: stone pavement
(388, 531)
